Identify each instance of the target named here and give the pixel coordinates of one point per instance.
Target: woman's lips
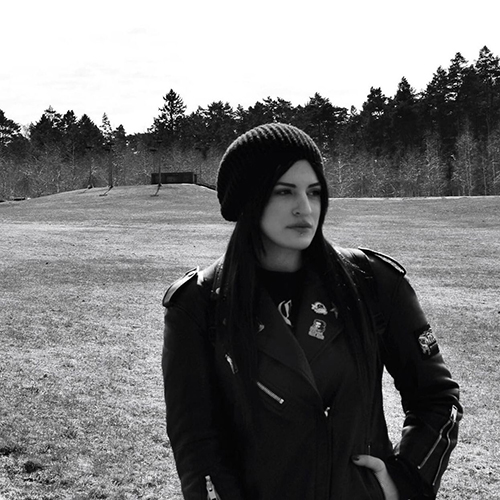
(301, 225)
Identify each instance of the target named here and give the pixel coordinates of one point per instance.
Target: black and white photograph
(249, 251)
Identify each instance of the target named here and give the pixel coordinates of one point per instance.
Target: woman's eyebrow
(289, 184)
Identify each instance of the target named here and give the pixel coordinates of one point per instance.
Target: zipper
(211, 493)
(270, 393)
(450, 424)
(453, 419)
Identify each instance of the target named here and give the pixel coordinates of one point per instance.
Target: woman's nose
(303, 206)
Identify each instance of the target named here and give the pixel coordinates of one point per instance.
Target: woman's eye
(282, 192)
(315, 193)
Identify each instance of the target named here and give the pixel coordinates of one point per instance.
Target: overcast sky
(121, 57)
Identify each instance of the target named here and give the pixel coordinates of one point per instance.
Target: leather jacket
(301, 445)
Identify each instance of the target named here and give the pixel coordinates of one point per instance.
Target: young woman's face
(290, 218)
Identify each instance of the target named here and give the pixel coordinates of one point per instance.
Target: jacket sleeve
(196, 426)
(430, 398)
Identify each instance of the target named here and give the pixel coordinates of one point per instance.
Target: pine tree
(404, 120)
(373, 122)
(488, 97)
(8, 130)
(321, 120)
(106, 129)
(47, 132)
(168, 125)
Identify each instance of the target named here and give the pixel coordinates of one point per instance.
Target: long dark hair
(240, 287)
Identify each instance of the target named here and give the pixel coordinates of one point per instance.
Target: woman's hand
(378, 467)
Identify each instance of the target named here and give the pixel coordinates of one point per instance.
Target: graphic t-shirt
(285, 290)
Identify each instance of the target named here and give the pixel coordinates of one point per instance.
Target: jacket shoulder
(194, 282)
(382, 260)
(175, 288)
(365, 258)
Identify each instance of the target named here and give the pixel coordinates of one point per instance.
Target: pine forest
(441, 141)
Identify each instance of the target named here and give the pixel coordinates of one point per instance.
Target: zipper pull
(327, 411)
(232, 364)
(270, 393)
(454, 414)
(212, 494)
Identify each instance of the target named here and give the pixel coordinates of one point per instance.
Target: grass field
(82, 278)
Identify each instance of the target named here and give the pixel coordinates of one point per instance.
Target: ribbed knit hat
(254, 157)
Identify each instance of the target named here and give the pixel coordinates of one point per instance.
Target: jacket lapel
(277, 340)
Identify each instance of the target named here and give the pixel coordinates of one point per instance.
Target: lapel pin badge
(317, 329)
(319, 308)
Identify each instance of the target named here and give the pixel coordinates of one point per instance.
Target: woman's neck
(285, 262)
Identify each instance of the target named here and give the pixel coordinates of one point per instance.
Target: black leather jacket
(301, 446)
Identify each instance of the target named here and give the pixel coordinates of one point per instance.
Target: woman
(273, 356)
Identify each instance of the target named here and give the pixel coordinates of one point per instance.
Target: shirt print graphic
(285, 309)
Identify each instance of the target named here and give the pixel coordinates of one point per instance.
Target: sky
(120, 57)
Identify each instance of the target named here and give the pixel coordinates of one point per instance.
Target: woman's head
(254, 162)
(251, 168)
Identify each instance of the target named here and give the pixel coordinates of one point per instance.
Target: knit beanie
(252, 159)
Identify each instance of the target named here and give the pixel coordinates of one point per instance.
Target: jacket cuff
(408, 482)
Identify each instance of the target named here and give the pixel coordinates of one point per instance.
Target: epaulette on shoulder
(177, 285)
(211, 278)
(385, 258)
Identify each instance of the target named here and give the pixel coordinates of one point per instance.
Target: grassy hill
(82, 278)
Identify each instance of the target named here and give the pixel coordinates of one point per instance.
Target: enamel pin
(318, 329)
(319, 308)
